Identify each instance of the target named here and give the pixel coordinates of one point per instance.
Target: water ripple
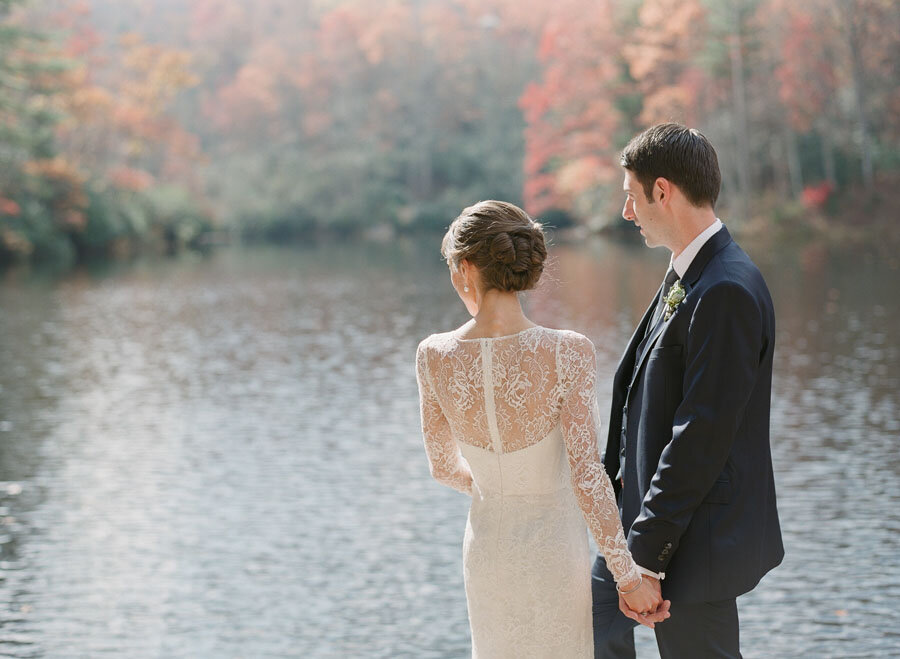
(221, 457)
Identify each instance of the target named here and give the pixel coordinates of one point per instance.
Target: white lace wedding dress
(513, 421)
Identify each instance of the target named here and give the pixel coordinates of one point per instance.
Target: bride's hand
(645, 605)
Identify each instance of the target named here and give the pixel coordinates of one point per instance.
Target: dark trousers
(701, 630)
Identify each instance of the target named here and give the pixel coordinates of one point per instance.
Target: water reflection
(220, 456)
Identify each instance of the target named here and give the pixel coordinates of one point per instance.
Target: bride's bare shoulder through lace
(521, 373)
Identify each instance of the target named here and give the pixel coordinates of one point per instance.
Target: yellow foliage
(581, 174)
(57, 168)
(16, 242)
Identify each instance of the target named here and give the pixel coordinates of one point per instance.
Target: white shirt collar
(683, 261)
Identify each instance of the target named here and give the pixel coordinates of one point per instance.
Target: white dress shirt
(680, 264)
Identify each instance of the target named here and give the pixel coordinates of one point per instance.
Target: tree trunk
(854, 42)
(740, 108)
(419, 174)
(781, 177)
(828, 156)
(795, 174)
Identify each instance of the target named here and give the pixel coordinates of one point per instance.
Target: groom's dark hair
(679, 154)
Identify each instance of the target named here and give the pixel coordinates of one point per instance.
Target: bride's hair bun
(502, 241)
(502, 248)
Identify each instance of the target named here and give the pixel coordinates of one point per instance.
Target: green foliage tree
(83, 168)
(138, 121)
(29, 79)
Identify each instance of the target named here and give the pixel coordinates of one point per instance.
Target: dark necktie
(671, 278)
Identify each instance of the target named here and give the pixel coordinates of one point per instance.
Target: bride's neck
(499, 313)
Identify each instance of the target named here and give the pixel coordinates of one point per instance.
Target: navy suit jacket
(689, 431)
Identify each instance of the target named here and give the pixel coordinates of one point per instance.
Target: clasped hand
(645, 605)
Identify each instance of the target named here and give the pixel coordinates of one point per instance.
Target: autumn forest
(160, 124)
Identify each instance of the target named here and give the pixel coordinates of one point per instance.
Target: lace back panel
(506, 394)
(519, 370)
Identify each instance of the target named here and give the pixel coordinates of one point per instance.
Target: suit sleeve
(722, 357)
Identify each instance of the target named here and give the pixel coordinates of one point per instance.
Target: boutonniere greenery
(674, 298)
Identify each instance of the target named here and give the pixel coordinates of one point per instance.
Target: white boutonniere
(674, 298)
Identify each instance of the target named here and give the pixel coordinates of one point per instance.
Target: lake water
(220, 456)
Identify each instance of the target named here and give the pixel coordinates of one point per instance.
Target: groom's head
(681, 155)
(670, 171)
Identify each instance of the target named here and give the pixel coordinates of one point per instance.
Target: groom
(688, 448)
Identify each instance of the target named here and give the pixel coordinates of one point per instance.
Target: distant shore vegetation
(135, 125)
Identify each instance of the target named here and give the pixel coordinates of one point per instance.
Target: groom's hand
(648, 619)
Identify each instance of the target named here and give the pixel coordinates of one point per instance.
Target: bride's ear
(465, 273)
(467, 277)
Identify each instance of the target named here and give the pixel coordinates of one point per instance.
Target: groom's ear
(662, 190)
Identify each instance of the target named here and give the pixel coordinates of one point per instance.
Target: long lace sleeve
(580, 422)
(444, 458)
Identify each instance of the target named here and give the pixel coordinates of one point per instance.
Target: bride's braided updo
(502, 241)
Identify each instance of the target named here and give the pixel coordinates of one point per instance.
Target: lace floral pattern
(541, 379)
(580, 421)
(444, 459)
(514, 422)
(525, 386)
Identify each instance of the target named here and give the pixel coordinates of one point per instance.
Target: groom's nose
(628, 211)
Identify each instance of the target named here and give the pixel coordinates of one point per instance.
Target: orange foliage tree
(571, 116)
(119, 124)
(662, 54)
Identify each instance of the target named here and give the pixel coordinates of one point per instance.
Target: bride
(509, 415)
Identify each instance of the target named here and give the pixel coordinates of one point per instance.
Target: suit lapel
(712, 246)
(620, 393)
(648, 345)
(626, 364)
(641, 330)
